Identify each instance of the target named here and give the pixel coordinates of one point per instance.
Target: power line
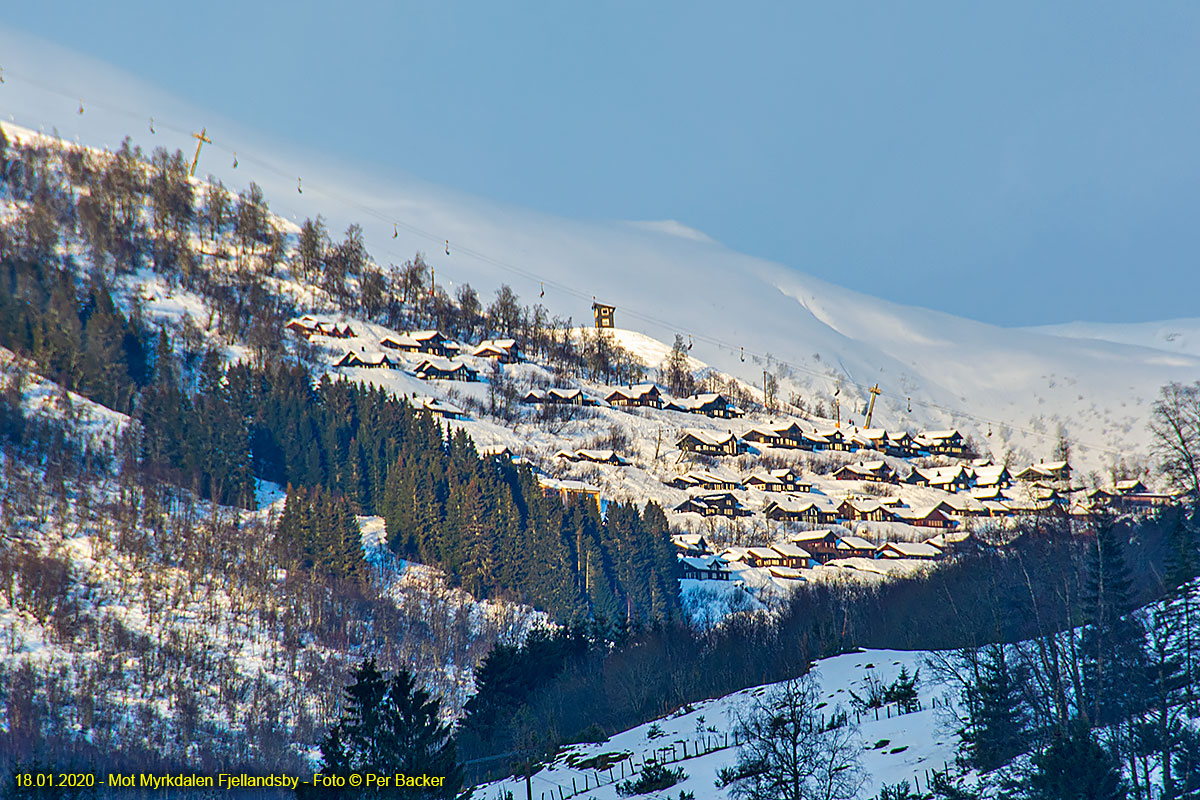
(155, 122)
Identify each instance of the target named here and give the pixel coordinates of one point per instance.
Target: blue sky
(1023, 163)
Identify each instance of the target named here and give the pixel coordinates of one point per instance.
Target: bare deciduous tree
(1176, 428)
(790, 754)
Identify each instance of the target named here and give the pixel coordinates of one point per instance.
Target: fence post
(574, 791)
(560, 794)
(877, 713)
(685, 755)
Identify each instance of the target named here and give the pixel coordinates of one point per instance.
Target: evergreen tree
(1076, 767)
(389, 727)
(1113, 642)
(999, 729)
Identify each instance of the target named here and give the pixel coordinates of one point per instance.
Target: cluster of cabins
(642, 395)
(795, 436)
(438, 354)
(801, 551)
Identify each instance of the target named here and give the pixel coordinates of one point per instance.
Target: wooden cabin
(793, 555)
(691, 544)
(1049, 471)
(643, 395)
(857, 509)
(788, 509)
(854, 547)
(944, 442)
(713, 568)
(821, 544)
(876, 471)
(929, 517)
(440, 408)
(948, 479)
(703, 479)
(764, 557)
(432, 343)
(708, 443)
(566, 490)
(709, 404)
(503, 350)
(921, 550)
(713, 504)
(777, 480)
(441, 369)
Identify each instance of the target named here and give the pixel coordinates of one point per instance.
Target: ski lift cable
(543, 281)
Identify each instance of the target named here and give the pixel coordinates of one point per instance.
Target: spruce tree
(999, 730)
(1113, 642)
(1076, 767)
(389, 727)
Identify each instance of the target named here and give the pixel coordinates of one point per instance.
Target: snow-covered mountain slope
(896, 747)
(744, 314)
(1170, 335)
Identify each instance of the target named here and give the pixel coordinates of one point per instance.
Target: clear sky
(1018, 163)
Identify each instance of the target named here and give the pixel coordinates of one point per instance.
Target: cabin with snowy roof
(875, 471)
(566, 490)
(782, 479)
(712, 568)
(642, 395)
(441, 408)
(821, 544)
(854, 547)
(703, 479)
(944, 442)
(503, 350)
(365, 361)
(710, 404)
(948, 479)
(708, 442)
(925, 517)
(691, 544)
(859, 509)
(442, 369)
(432, 343)
(918, 550)
(1045, 471)
(790, 509)
(793, 555)
(713, 504)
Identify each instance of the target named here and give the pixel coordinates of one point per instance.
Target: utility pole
(201, 140)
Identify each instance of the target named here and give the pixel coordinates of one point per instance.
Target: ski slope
(744, 314)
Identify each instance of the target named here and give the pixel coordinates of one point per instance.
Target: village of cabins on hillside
(907, 497)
